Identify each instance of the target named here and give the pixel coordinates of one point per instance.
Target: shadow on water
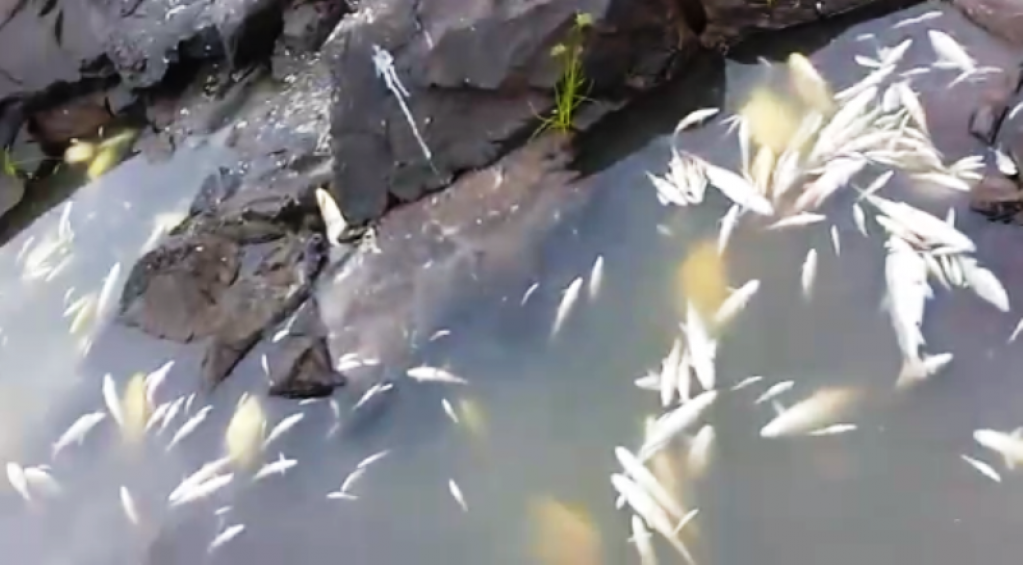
(540, 417)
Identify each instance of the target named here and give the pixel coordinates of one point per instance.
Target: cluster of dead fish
(793, 161)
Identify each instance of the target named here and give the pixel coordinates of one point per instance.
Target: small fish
(647, 481)
(77, 431)
(203, 474)
(373, 459)
(653, 514)
(984, 283)
(425, 373)
(449, 410)
(456, 493)
(373, 392)
(808, 273)
(333, 219)
(529, 292)
(775, 391)
(568, 300)
(1016, 331)
(694, 118)
(675, 422)
(738, 189)
(668, 379)
(170, 414)
(835, 241)
(810, 414)
(16, 476)
(202, 490)
(728, 223)
(702, 348)
(809, 84)
(188, 427)
(1009, 446)
(156, 378)
(106, 293)
(128, 505)
(282, 427)
(228, 534)
(37, 478)
(596, 277)
(644, 542)
(736, 302)
(698, 458)
(135, 409)
(1005, 164)
(798, 220)
(984, 469)
(748, 381)
(949, 51)
(278, 467)
(111, 399)
(244, 437)
(833, 429)
(917, 19)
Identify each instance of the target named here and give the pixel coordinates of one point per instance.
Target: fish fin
(913, 371)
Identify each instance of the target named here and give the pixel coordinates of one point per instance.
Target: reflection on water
(532, 448)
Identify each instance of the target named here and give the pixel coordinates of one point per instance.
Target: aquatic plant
(570, 90)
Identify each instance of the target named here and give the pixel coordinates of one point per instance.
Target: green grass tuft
(572, 87)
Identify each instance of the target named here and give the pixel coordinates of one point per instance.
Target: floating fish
(16, 476)
(738, 190)
(798, 220)
(702, 348)
(596, 277)
(808, 273)
(333, 219)
(202, 490)
(984, 469)
(278, 467)
(456, 493)
(189, 427)
(112, 401)
(809, 84)
(203, 474)
(644, 542)
(811, 413)
(568, 300)
(675, 422)
(135, 409)
(698, 458)
(736, 302)
(694, 118)
(648, 482)
(228, 534)
(728, 224)
(282, 427)
(449, 410)
(424, 373)
(984, 283)
(156, 378)
(1008, 445)
(748, 381)
(38, 479)
(245, 434)
(775, 391)
(652, 514)
(833, 429)
(128, 505)
(77, 431)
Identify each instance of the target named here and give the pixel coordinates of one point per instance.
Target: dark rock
(986, 119)
(307, 24)
(479, 77)
(144, 37)
(427, 257)
(998, 198)
(300, 367)
(12, 190)
(1001, 18)
(79, 117)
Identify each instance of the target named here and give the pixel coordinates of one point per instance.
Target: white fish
(653, 514)
(775, 391)
(647, 481)
(984, 283)
(203, 474)
(373, 459)
(747, 382)
(568, 300)
(809, 414)
(333, 219)
(738, 189)
(798, 220)
(1005, 164)
(112, 400)
(837, 174)
(128, 505)
(1016, 331)
(156, 378)
(456, 493)
(171, 413)
(644, 542)
(808, 273)
(189, 427)
(449, 410)
(675, 422)
(694, 118)
(278, 467)
(736, 302)
(949, 51)
(228, 534)
(698, 458)
(728, 224)
(668, 379)
(77, 431)
(16, 476)
(375, 390)
(833, 429)
(529, 292)
(906, 278)
(1009, 446)
(984, 469)
(282, 427)
(37, 478)
(425, 373)
(702, 348)
(927, 16)
(835, 241)
(596, 277)
(106, 293)
(203, 490)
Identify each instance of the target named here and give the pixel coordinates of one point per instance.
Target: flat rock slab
(479, 76)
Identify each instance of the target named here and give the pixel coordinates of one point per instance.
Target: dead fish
(203, 474)
(106, 293)
(700, 447)
(38, 479)
(244, 437)
(808, 273)
(568, 300)
(836, 243)
(128, 505)
(917, 19)
(695, 118)
(456, 493)
(738, 189)
(833, 429)
(425, 373)
(135, 409)
(728, 223)
(282, 427)
(702, 348)
(278, 467)
(736, 302)
(675, 422)
(228, 534)
(333, 219)
(798, 220)
(809, 84)
(112, 401)
(984, 283)
(16, 476)
(644, 542)
(775, 391)
(76, 432)
(202, 490)
(669, 376)
(1009, 446)
(171, 413)
(984, 469)
(189, 427)
(647, 481)
(908, 291)
(654, 515)
(373, 392)
(1016, 331)
(1005, 164)
(596, 277)
(529, 292)
(156, 378)
(747, 382)
(810, 414)
(950, 52)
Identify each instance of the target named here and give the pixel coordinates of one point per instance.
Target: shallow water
(551, 412)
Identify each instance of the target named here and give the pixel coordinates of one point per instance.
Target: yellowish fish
(109, 154)
(772, 121)
(135, 409)
(472, 417)
(563, 535)
(703, 279)
(244, 437)
(809, 85)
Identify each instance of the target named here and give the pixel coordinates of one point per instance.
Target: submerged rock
(479, 77)
(428, 257)
(1001, 18)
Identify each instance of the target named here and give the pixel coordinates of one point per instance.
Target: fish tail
(913, 371)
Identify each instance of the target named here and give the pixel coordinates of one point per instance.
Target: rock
(428, 257)
(1001, 18)
(986, 119)
(79, 117)
(12, 190)
(998, 198)
(300, 364)
(479, 76)
(144, 37)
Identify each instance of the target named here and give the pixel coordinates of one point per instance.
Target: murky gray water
(550, 413)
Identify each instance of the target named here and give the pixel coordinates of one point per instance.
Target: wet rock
(1001, 18)
(479, 76)
(79, 117)
(425, 259)
(301, 368)
(986, 119)
(308, 23)
(12, 190)
(144, 37)
(999, 198)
